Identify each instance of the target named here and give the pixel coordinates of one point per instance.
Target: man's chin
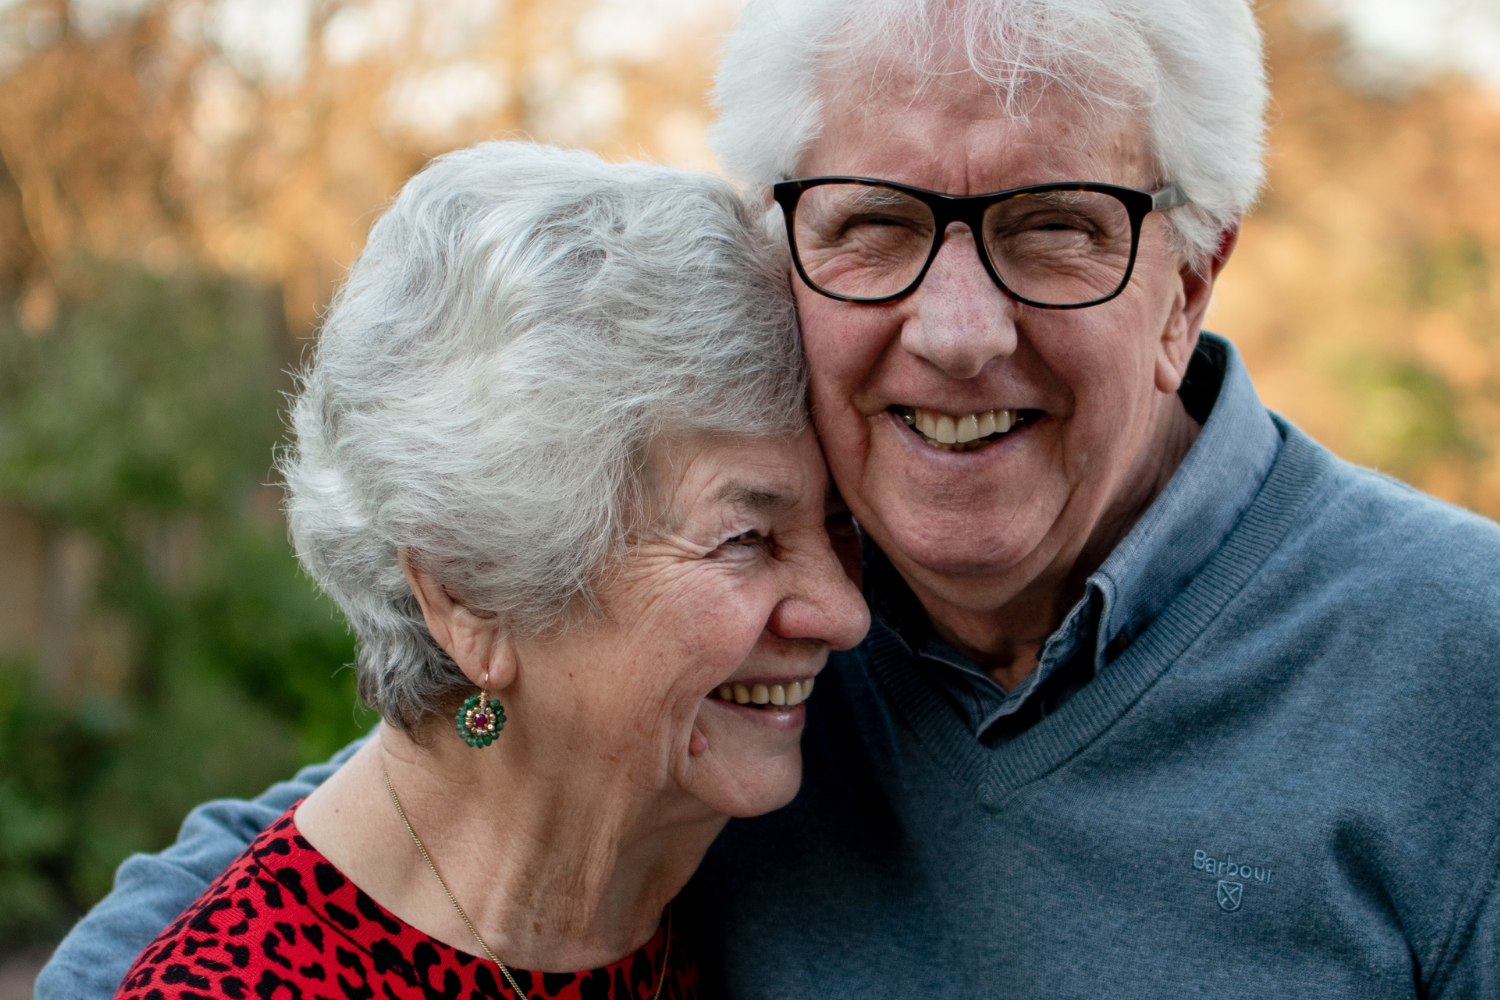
(982, 541)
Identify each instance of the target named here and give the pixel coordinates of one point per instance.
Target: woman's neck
(561, 862)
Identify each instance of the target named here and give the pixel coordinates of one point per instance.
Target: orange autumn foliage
(1364, 289)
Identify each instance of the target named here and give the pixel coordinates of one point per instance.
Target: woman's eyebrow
(756, 498)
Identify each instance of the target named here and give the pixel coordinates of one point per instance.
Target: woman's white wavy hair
(1193, 69)
(522, 325)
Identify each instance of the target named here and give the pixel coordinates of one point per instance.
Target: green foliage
(144, 421)
(148, 395)
(261, 622)
(50, 760)
(1448, 273)
(1410, 416)
(1413, 408)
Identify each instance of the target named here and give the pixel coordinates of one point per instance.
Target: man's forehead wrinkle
(893, 115)
(862, 85)
(942, 57)
(903, 72)
(898, 82)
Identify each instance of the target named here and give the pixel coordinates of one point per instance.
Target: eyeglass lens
(1056, 248)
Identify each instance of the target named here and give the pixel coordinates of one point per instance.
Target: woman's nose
(959, 318)
(824, 604)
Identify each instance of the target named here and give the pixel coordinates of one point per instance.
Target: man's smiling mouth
(962, 433)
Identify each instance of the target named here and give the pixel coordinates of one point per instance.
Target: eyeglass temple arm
(1170, 196)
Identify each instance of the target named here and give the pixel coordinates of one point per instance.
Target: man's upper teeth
(947, 429)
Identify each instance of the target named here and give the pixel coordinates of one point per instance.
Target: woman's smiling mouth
(962, 433)
(766, 695)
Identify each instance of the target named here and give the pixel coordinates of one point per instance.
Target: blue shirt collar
(1185, 525)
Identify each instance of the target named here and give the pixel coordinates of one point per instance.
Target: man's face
(972, 529)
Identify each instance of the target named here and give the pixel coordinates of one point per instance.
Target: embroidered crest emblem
(1230, 894)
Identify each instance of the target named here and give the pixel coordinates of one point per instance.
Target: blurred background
(182, 183)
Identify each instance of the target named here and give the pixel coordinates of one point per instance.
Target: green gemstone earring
(480, 720)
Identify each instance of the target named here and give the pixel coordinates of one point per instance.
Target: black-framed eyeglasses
(1053, 246)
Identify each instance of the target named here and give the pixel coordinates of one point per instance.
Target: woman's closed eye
(745, 539)
(746, 543)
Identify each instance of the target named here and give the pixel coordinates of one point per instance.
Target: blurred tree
(1364, 290)
(140, 424)
(257, 137)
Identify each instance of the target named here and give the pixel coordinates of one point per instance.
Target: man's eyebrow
(756, 498)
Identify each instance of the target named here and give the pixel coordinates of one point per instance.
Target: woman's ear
(482, 650)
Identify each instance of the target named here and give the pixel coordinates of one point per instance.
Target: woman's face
(735, 586)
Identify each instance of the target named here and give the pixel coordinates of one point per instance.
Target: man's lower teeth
(966, 445)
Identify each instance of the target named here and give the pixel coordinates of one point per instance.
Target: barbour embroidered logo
(1229, 866)
(1232, 877)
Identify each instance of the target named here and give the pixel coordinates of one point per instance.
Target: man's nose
(824, 604)
(959, 319)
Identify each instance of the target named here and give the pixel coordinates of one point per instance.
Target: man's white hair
(1193, 69)
(523, 324)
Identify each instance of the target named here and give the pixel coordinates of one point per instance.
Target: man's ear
(1180, 338)
(482, 650)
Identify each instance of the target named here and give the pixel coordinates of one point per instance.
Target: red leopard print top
(284, 924)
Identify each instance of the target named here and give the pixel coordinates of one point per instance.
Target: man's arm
(152, 890)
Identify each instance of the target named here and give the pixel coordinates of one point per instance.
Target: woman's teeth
(767, 696)
(965, 433)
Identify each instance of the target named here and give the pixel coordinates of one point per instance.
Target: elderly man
(1161, 699)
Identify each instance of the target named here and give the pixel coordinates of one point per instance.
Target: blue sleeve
(152, 890)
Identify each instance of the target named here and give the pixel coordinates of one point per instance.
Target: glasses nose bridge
(968, 211)
(949, 209)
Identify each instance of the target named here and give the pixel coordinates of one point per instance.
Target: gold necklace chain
(504, 970)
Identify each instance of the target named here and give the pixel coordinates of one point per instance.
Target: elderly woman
(1162, 699)
(552, 461)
